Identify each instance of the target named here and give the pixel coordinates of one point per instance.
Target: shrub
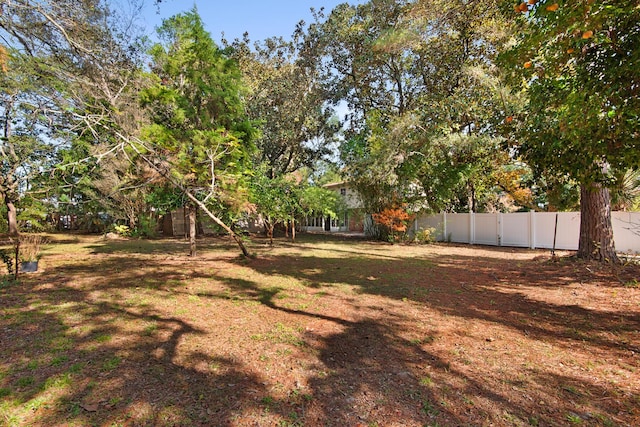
(146, 228)
(394, 219)
(426, 235)
(122, 230)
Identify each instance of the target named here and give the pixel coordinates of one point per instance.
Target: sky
(261, 19)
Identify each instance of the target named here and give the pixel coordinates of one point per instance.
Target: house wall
(348, 194)
(355, 217)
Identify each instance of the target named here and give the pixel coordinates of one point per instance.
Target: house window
(343, 191)
(338, 222)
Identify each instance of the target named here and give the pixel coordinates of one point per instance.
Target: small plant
(426, 235)
(111, 364)
(115, 400)
(122, 230)
(58, 361)
(146, 228)
(574, 419)
(103, 338)
(25, 381)
(632, 284)
(151, 328)
(429, 409)
(30, 247)
(76, 368)
(267, 401)
(426, 381)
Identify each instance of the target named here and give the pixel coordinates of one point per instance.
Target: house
(351, 220)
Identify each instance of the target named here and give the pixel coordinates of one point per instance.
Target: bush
(394, 220)
(425, 235)
(7, 256)
(122, 230)
(146, 228)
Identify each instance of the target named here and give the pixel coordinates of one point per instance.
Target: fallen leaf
(89, 407)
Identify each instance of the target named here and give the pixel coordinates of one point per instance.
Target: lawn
(323, 332)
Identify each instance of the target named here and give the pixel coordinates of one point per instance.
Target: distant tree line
(423, 105)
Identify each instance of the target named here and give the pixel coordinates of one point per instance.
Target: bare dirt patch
(323, 332)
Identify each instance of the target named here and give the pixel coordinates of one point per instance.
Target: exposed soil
(323, 332)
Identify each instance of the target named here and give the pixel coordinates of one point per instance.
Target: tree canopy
(576, 64)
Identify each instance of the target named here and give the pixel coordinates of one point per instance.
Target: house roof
(336, 184)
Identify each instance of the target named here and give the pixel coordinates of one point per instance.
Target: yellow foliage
(4, 59)
(510, 182)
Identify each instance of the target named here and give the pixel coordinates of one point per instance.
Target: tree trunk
(12, 217)
(596, 231)
(270, 228)
(472, 198)
(192, 230)
(133, 223)
(218, 221)
(293, 230)
(193, 198)
(185, 219)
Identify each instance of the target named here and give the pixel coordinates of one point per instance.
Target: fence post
(532, 229)
(444, 227)
(472, 228)
(499, 227)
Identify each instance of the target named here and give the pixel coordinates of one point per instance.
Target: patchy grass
(323, 332)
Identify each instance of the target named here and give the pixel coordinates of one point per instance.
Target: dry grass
(325, 332)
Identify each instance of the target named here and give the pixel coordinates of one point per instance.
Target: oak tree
(577, 64)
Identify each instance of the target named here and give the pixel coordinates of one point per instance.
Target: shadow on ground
(123, 336)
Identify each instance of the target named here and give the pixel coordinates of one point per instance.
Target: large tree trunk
(12, 217)
(596, 231)
(192, 230)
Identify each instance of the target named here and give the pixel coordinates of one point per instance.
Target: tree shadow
(116, 362)
(491, 293)
(67, 358)
(367, 372)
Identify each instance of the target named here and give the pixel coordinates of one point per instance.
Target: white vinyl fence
(528, 229)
